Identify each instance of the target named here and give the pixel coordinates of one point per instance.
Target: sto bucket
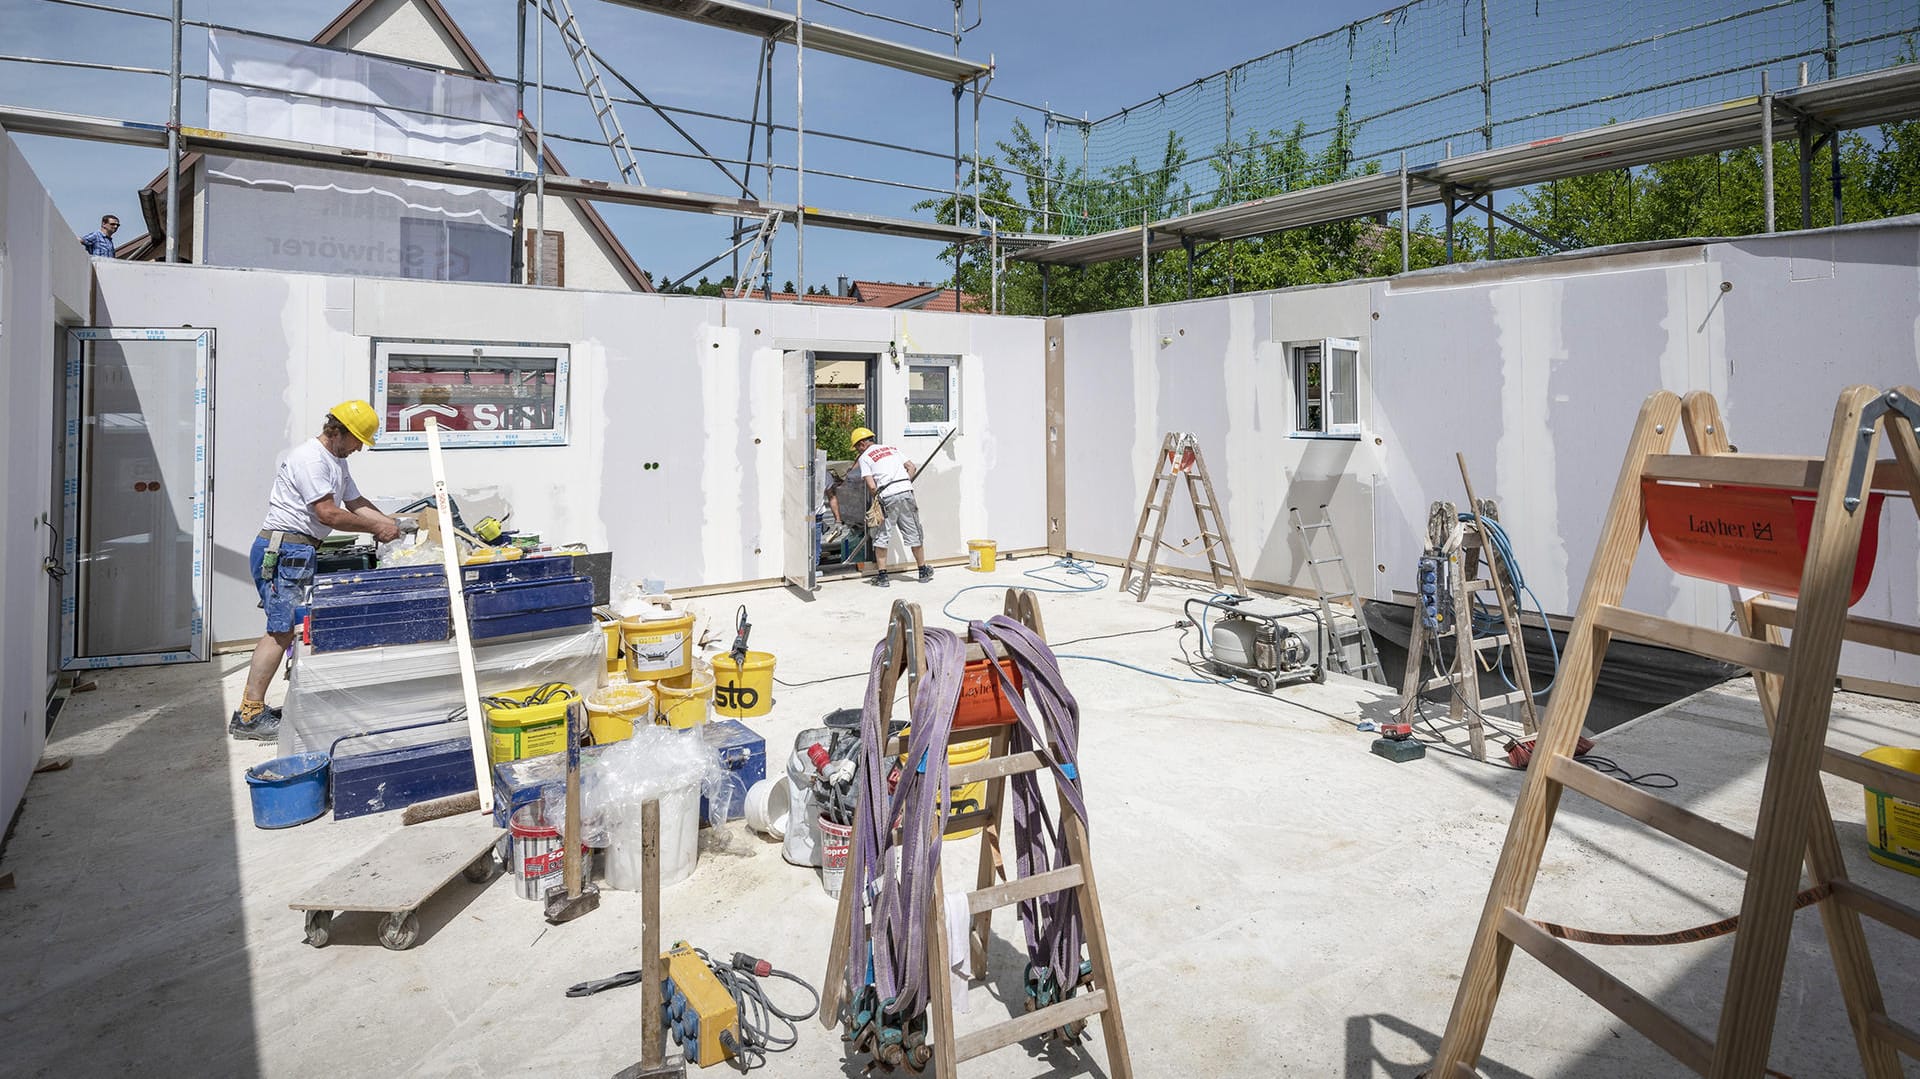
(743, 690)
(981, 555)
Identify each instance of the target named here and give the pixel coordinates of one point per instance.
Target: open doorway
(846, 396)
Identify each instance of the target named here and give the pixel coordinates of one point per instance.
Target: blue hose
(1072, 567)
(1497, 537)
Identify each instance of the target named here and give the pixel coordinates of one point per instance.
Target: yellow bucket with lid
(971, 796)
(981, 555)
(684, 700)
(658, 646)
(743, 690)
(527, 722)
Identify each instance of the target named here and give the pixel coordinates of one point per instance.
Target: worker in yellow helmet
(313, 494)
(889, 475)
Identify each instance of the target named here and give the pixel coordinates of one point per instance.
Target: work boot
(880, 580)
(263, 727)
(926, 573)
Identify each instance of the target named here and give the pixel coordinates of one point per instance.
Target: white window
(483, 394)
(1326, 386)
(933, 394)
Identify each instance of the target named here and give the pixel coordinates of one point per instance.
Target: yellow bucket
(972, 796)
(658, 647)
(1893, 824)
(612, 711)
(980, 555)
(684, 700)
(616, 663)
(743, 690)
(517, 731)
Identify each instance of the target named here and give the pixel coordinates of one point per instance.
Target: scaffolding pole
(173, 144)
(1404, 210)
(540, 146)
(517, 258)
(1766, 146)
(799, 148)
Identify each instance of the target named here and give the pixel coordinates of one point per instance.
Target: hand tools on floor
(574, 898)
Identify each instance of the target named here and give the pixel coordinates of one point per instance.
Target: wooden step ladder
(1180, 456)
(1096, 995)
(1795, 684)
(1339, 634)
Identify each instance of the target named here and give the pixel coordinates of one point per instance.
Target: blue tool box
(742, 753)
(366, 582)
(510, 607)
(486, 574)
(385, 779)
(336, 622)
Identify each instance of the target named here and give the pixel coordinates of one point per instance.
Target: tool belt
(270, 560)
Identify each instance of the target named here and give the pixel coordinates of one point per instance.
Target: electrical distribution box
(1434, 576)
(696, 1008)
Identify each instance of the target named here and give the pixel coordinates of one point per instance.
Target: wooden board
(406, 868)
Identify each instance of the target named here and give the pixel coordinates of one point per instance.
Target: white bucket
(769, 805)
(679, 842)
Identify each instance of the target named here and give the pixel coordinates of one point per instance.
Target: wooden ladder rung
(1688, 827)
(1032, 1024)
(1880, 908)
(1643, 1015)
(1491, 640)
(1884, 778)
(1502, 700)
(1900, 1036)
(1016, 891)
(961, 775)
(1713, 644)
(1434, 683)
(1761, 470)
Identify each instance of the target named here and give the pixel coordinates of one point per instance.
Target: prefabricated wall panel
(688, 384)
(43, 289)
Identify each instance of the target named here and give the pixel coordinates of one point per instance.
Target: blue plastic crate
(742, 753)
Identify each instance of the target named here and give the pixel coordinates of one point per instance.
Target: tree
(788, 287)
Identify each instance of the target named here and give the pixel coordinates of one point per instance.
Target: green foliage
(831, 426)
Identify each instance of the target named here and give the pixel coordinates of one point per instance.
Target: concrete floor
(1280, 901)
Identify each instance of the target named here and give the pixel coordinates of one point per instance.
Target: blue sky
(1078, 56)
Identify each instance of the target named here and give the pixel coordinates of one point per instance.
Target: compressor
(1257, 645)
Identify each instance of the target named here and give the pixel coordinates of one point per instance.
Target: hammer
(574, 898)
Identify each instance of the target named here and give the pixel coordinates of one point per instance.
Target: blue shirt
(98, 244)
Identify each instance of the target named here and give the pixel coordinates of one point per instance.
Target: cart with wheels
(402, 872)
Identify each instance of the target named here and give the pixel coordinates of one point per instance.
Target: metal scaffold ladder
(597, 98)
(1339, 634)
(757, 257)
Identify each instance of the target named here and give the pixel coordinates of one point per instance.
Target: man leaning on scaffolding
(313, 494)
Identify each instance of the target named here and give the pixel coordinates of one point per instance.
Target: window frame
(1297, 362)
(920, 428)
(383, 349)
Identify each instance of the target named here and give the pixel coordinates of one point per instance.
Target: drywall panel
(1807, 316)
(1220, 369)
(44, 280)
(673, 458)
(1536, 378)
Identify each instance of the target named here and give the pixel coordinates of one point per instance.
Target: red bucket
(1753, 537)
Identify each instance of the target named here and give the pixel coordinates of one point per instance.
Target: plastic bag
(624, 776)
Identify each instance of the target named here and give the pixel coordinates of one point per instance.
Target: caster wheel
(486, 868)
(399, 930)
(1319, 676)
(1266, 683)
(319, 927)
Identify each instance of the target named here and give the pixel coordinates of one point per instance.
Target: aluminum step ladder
(1337, 637)
(1180, 457)
(597, 99)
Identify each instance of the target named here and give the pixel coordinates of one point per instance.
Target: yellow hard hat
(859, 435)
(358, 417)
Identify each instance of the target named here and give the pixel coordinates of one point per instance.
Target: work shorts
(281, 590)
(902, 513)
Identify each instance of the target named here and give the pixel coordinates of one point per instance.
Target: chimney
(844, 288)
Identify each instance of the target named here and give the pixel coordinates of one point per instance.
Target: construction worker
(890, 475)
(313, 494)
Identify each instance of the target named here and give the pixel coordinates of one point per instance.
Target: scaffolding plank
(779, 25)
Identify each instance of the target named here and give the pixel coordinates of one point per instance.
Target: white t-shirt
(308, 473)
(888, 469)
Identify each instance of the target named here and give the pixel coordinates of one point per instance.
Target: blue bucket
(288, 790)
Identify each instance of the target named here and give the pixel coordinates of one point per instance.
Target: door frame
(797, 375)
(72, 496)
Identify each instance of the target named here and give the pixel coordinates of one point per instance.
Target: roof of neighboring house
(142, 246)
(792, 297)
(925, 297)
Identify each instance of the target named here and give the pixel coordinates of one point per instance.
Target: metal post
(1404, 226)
(1766, 146)
(1486, 98)
(1446, 193)
(767, 267)
(1187, 242)
(540, 142)
(516, 259)
(173, 144)
(1805, 131)
(1046, 286)
(993, 263)
(957, 91)
(799, 149)
(1833, 148)
(1146, 280)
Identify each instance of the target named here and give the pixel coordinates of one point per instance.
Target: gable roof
(925, 297)
(438, 15)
